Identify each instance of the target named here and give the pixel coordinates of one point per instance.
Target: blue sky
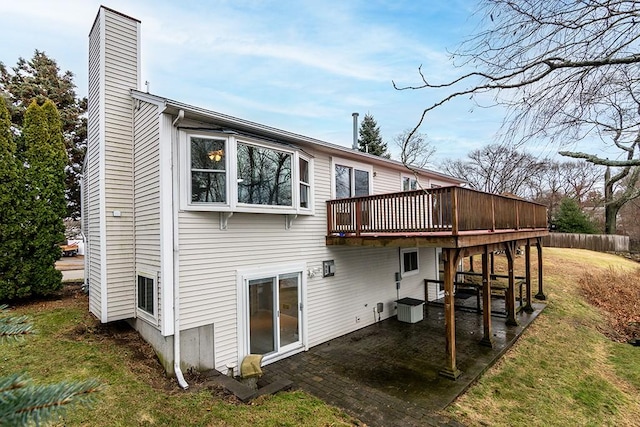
(303, 66)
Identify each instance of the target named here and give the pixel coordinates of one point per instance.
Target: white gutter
(176, 279)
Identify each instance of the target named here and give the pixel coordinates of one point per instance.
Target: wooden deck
(461, 221)
(447, 217)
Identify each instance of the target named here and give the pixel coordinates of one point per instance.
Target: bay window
(228, 173)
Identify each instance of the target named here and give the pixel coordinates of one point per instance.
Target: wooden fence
(594, 242)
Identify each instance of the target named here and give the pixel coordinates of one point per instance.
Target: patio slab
(386, 374)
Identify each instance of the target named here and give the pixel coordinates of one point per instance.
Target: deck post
(450, 260)
(510, 297)
(454, 211)
(487, 339)
(493, 214)
(329, 219)
(527, 276)
(493, 263)
(540, 295)
(358, 217)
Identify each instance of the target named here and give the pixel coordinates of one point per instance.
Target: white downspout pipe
(176, 280)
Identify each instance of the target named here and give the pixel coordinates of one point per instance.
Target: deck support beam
(540, 295)
(487, 339)
(450, 258)
(528, 308)
(510, 297)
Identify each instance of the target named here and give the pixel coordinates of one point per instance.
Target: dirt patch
(136, 354)
(617, 294)
(71, 292)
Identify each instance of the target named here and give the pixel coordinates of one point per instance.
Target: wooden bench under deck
(497, 289)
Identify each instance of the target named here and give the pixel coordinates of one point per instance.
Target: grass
(70, 344)
(563, 371)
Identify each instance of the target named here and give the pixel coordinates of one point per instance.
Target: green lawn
(562, 372)
(71, 345)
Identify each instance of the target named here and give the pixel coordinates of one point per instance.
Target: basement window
(146, 294)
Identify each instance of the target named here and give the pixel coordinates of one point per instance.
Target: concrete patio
(386, 374)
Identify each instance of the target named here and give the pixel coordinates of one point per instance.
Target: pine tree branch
(30, 403)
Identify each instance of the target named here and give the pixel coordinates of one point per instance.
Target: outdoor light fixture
(216, 155)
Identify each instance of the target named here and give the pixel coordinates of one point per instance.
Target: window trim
(353, 165)
(141, 313)
(405, 251)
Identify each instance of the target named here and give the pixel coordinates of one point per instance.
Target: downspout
(176, 281)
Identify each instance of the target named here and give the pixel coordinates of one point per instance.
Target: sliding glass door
(274, 313)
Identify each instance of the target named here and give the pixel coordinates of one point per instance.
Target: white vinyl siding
(387, 180)
(147, 192)
(210, 259)
(92, 182)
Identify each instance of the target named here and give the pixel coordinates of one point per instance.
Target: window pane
(405, 184)
(343, 182)
(362, 183)
(261, 321)
(304, 196)
(288, 286)
(304, 171)
(410, 261)
(208, 187)
(207, 154)
(264, 176)
(145, 294)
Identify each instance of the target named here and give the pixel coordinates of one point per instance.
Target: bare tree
(497, 168)
(565, 71)
(559, 180)
(415, 150)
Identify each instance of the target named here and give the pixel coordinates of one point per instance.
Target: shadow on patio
(386, 374)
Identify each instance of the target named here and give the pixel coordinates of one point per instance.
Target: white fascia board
(166, 223)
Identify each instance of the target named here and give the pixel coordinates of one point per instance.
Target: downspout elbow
(179, 118)
(181, 381)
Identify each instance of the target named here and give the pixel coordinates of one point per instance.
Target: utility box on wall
(328, 268)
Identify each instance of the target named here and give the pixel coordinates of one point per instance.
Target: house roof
(252, 128)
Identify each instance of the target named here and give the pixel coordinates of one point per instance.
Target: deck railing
(445, 209)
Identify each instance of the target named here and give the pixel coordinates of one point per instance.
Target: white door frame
(243, 278)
